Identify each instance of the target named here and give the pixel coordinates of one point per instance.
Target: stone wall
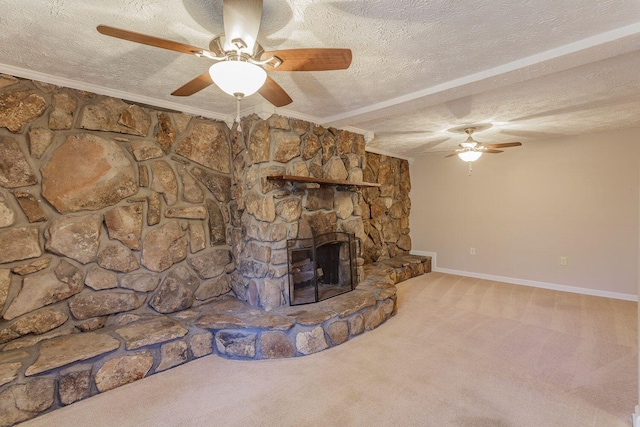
(385, 210)
(128, 235)
(272, 212)
(108, 211)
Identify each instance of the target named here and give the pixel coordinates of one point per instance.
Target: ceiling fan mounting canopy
(241, 62)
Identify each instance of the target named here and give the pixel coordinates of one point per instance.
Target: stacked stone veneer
(385, 209)
(133, 240)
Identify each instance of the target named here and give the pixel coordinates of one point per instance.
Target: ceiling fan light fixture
(470, 156)
(238, 78)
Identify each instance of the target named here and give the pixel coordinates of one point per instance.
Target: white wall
(523, 209)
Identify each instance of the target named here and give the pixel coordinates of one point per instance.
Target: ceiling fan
(240, 61)
(471, 150)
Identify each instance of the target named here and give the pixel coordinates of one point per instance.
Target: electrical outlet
(563, 261)
(472, 251)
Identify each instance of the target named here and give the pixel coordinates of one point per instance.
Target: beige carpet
(460, 352)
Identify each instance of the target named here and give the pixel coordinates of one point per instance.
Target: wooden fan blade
(148, 40)
(451, 155)
(310, 59)
(504, 145)
(273, 92)
(492, 151)
(242, 21)
(193, 86)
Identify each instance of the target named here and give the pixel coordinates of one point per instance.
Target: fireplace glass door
(321, 267)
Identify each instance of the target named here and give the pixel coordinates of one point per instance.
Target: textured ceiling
(532, 69)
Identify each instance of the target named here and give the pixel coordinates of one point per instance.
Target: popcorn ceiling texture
(534, 68)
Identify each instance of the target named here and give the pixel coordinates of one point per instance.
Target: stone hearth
(134, 240)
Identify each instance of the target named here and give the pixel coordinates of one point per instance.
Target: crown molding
(100, 90)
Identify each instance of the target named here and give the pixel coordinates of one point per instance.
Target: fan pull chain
(238, 114)
(470, 168)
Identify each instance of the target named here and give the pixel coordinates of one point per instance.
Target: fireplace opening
(321, 267)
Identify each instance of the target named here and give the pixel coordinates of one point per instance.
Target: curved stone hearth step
(136, 346)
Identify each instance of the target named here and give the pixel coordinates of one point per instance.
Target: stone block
(343, 204)
(7, 214)
(218, 185)
(310, 314)
(258, 149)
(5, 284)
(311, 146)
(99, 279)
(328, 149)
(102, 303)
(319, 198)
(213, 288)
(312, 341)
(164, 246)
(149, 332)
(64, 108)
(20, 108)
(75, 237)
(349, 303)
(356, 324)
(25, 401)
(62, 351)
(154, 209)
(201, 344)
(166, 134)
(92, 324)
(114, 115)
(191, 191)
(74, 386)
(10, 364)
(124, 223)
(187, 212)
(207, 144)
(143, 149)
(338, 332)
(334, 169)
(181, 120)
(30, 206)
(236, 344)
(19, 243)
(32, 267)
(117, 257)
(141, 282)
(39, 140)
(122, 370)
(36, 323)
(276, 345)
(210, 264)
(197, 237)
(176, 292)
(164, 181)
(39, 290)
(72, 184)
(172, 354)
(286, 145)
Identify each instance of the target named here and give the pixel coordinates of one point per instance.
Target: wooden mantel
(321, 181)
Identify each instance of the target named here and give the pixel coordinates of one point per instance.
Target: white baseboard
(525, 282)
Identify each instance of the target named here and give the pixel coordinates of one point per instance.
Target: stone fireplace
(133, 240)
(273, 211)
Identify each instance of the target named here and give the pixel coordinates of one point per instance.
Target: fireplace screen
(321, 267)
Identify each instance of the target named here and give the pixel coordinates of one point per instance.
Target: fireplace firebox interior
(321, 267)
